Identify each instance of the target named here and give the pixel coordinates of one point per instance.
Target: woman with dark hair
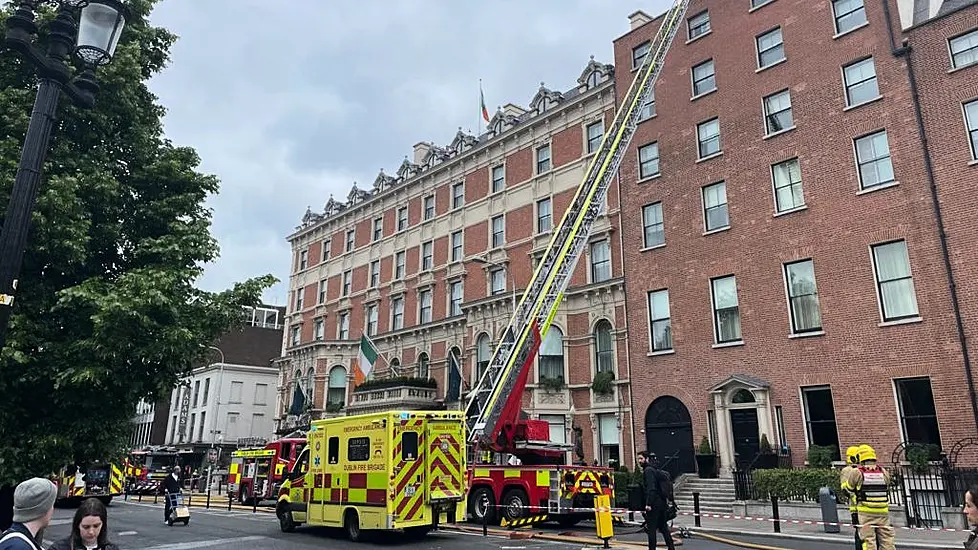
(89, 530)
(971, 511)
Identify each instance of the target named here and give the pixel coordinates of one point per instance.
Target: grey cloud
(289, 105)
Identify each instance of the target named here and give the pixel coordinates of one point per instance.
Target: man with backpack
(33, 509)
(658, 498)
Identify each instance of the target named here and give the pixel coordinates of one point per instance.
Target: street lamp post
(217, 406)
(100, 23)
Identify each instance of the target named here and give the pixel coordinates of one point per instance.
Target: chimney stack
(638, 19)
(420, 151)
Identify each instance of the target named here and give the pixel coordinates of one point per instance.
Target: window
(799, 277)
(423, 370)
(788, 192)
(860, 81)
(648, 160)
(237, 391)
(454, 298)
(336, 391)
(299, 298)
(726, 309)
(594, 133)
(347, 281)
(457, 246)
(873, 159)
(207, 390)
(261, 394)
(458, 195)
(343, 326)
(371, 319)
(498, 178)
(350, 234)
(543, 159)
(660, 322)
(820, 418)
(704, 78)
(708, 134)
(483, 353)
(427, 255)
(378, 229)
(544, 216)
(849, 14)
(648, 108)
(894, 281)
(327, 244)
(964, 50)
(777, 112)
(699, 24)
(319, 329)
(497, 281)
(608, 438)
(558, 427)
(402, 218)
(604, 351)
(918, 415)
(196, 393)
(399, 263)
(303, 259)
(374, 273)
(655, 234)
(294, 335)
(322, 292)
(498, 231)
(639, 52)
(358, 449)
(759, 3)
(424, 303)
(770, 48)
(429, 207)
(715, 206)
(971, 123)
(600, 261)
(551, 364)
(397, 313)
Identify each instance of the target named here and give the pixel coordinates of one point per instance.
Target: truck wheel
(243, 496)
(352, 525)
(476, 508)
(515, 504)
(285, 520)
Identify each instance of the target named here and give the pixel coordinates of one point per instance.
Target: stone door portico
(742, 405)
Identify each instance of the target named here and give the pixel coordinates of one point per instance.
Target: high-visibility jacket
(845, 483)
(872, 491)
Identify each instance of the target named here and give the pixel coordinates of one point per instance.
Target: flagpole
(478, 123)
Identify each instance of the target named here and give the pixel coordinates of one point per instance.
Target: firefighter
(871, 483)
(845, 479)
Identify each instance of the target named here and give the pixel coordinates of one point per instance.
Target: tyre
(285, 520)
(477, 509)
(515, 504)
(352, 525)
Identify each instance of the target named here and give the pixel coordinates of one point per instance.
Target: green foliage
(603, 383)
(920, 456)
(106, 312)
(705, 448)
(820, 456)
(551, 384)
(796, 484)
(395, 382)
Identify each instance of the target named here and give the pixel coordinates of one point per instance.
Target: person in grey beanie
(33, 508)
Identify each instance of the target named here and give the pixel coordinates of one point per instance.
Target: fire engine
(102, 480)
(260, 471)
(146, 468)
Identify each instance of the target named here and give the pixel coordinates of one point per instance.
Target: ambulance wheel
(515, 502)
(476, 508)
(285, 520)
(352, 525)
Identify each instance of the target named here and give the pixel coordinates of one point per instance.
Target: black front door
(669, 435)
(746, 435)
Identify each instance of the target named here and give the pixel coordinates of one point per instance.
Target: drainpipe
(904, 51)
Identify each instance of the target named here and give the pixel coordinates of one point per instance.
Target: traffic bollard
(229, 503)
(190, 499)
(777, 516)
(485, 515)
(254, 505)
(696, 509)
(156, 498)
(139, 498)
(208, 506)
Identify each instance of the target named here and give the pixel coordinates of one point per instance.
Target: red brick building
(782, 253)
(426, 261)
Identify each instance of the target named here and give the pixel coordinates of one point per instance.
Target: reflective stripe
(873, 493)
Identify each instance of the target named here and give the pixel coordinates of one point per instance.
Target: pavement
(140, 525)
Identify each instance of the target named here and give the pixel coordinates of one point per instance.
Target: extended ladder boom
(493, 406)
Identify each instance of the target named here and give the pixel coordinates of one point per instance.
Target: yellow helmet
(866, 453)
(852, 455)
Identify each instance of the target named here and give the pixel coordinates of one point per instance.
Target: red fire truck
(260, 471)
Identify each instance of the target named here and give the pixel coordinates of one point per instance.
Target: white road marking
(205, 543)
(127, 533)
(65, 521)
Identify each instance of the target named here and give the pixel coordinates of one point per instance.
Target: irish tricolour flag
(365, 359)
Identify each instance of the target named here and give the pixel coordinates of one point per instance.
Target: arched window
(395, 367)
(743, 396)
(423, 370)
(592, 79)
(336, 393)
(552, 355)
(604, 352)
(483, 352)
(454, 374)
(310, 383)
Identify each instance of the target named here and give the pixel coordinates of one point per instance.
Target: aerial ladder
(494, 407)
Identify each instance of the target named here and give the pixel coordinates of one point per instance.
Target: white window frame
(859, 162)
(653, 317)
(757, 46)
(642, 175)
(886, 319)
(973, 33)
(645, 225)
(836, 17)
(712, 76)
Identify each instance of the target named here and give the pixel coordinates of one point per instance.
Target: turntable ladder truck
(543, 486)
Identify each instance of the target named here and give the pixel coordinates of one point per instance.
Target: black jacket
(658, 487)
(65, 544)
(171, 485)
(16, 543)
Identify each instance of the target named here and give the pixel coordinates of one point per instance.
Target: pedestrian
(871, 483)
(33, 509)
(971, 512)
(658, 497)
(170, 486)
(89, 529)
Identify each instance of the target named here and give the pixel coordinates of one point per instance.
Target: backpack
(11, 534)
(663, 486)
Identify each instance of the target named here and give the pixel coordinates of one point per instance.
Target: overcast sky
(287, 102)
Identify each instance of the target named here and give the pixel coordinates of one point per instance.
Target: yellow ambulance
(380, 471)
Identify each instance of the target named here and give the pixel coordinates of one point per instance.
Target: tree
(107, 312)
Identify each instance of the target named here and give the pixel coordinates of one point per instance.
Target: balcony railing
(392, 398)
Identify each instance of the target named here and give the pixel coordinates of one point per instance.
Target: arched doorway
(669, 435)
